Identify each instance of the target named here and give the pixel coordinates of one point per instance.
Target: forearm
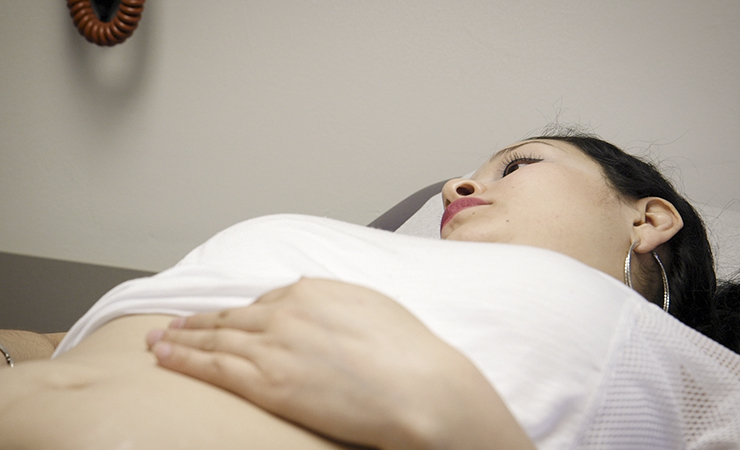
(463, 411)
(497, 430)
(27, 345)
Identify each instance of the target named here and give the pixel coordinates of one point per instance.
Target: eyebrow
(510, 149)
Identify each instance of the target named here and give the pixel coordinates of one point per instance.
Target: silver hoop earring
(628, 275)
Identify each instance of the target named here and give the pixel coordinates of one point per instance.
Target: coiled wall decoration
(107, 33)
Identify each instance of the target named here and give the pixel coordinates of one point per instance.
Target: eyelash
(516, 158)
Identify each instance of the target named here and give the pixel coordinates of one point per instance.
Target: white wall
(208, 115)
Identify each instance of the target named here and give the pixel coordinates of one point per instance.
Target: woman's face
(542, 193)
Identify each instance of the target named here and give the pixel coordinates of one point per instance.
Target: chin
(463, 234)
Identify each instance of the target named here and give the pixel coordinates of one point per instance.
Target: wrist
(6, 355)
(460, 410)
(422, 431)
(440, 409)
(25, 345)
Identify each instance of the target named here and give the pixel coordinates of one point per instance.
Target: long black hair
(697, 299)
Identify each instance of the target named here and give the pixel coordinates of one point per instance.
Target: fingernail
(153, 337)
(162, 350)
(178, 323)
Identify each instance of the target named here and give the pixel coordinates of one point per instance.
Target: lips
(458, 205)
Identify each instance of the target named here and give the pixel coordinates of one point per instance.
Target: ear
(658, 221)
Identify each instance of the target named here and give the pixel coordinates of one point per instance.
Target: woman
(350, 364)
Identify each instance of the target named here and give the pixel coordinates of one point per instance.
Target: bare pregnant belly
(108, 393)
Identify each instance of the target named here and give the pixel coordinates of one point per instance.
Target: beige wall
(130, 156)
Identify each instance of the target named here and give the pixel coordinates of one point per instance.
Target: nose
(458, 188)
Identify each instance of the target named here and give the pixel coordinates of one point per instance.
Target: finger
(223, 370)
(253, 317)
(274, 295)
(219, 340)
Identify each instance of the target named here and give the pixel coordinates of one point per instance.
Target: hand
(342, 360)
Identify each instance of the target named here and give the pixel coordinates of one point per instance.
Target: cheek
(555, 206)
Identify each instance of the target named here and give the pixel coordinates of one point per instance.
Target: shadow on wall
(109, 79)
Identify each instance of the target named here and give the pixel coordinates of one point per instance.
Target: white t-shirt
(580, 360)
